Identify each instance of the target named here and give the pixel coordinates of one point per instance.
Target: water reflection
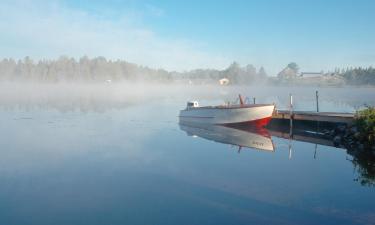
(315, 133)
(309, 132)
(260, 139)
(120, 165)
(364, 164)
(238, 136)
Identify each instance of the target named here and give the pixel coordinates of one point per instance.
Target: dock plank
(333, 117)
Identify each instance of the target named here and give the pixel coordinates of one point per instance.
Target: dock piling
(330, 117)
(317, 101)
(291, 102)
(290, 115)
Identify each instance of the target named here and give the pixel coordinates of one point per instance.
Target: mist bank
(101, 97)
(101, 70)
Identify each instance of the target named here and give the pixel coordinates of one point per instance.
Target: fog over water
(104, 96)
(115, 153)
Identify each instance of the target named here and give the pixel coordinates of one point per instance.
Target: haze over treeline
(99, 69)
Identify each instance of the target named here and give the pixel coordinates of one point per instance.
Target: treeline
(349, 76)
(359, 76)
(100, 69)
(84, 69)
(234, 73)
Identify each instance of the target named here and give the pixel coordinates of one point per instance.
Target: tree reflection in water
(364, 164)
(363, 160)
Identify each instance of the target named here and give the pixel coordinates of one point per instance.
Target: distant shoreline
(101, 70)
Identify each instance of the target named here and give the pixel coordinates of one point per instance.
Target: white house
(224, 81)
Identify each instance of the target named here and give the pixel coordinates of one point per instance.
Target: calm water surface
(134, 165)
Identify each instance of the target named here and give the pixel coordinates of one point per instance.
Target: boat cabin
(192, 104)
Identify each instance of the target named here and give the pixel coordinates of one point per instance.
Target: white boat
(255, 139)
(257, 114)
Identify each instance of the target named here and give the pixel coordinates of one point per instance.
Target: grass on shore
(365, 122)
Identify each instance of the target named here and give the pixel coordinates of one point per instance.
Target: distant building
(224, 81)
(287, 74)
(311, 74)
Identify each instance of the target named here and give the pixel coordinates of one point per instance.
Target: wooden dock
(329, 117)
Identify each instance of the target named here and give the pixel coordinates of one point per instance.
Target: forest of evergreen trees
(235, 73)
(84, 69)
(100, 69)
(359, 76)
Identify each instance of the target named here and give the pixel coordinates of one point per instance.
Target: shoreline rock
(350, 138)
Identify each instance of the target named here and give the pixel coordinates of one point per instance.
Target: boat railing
(247, 101)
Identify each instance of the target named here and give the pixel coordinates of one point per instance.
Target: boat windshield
(192, 104)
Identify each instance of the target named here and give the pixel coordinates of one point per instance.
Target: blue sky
(182, 35)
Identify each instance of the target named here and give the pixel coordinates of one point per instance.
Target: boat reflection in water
(241, 136)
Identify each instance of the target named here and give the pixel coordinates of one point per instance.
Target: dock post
(317, 101)
(317, 108)
(290, 124)
(254, 100)
(291, 102)
(290, 115)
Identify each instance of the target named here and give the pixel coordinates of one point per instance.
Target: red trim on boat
(200, 117)
(257, 123)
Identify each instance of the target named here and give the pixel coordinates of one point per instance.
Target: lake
(116, 154)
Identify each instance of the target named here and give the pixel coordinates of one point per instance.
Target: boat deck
(231, 106)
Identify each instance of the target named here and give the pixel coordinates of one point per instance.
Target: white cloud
(47, 30)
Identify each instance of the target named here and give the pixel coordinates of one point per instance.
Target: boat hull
(255, 139)
(258, 115)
